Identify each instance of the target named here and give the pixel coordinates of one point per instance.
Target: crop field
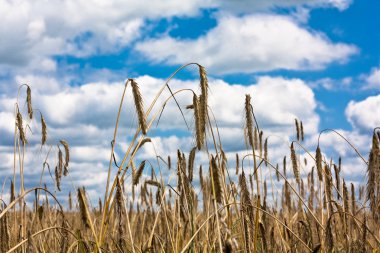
(215, 203)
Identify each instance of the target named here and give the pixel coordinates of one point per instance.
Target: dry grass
(222, 215)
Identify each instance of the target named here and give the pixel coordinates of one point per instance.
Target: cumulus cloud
(247, 6)
(373, 79)
(328, 83)
(95, 104)
(36, 31)
(249, 44)
(363, 114)
(45, 84)
(85, 116)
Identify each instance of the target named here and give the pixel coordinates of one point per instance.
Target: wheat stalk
(139, 106)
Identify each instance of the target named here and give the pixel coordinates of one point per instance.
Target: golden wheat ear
(67, 156)
(20, 127)
(139, 106)
(29, 102)
(203, 104)
(248, 120)
(138, 173)
(295, 164)
(43, 130)
(297, 129)
(198, 122)
(191, 164)
(216, 180)
(318, 161)
(373, 185)
(83, 209)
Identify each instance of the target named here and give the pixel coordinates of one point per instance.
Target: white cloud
(85, 116)
(245, 6)
(277, 101)
(6, 123)
(340, 4)
(363, 114)
(328, 83)
(165, 146)
(333, 144)
(87, 153)
(249, 44)
(373, 79)
(36, 31)
(45, 84)
(41, 29)
(88, 112)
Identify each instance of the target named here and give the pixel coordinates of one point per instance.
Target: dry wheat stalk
(266, 152)
(59, 169)
(328, 188)
(345, 203)
(70, 201)
(216, 180)
(139, 106)
(248, 130)
(29, 102)
(100, 205)
(152, 182)
(318, 158)
(373, 185)
(201, 181)
(40, 212)
(67, 156)
(43, 131)
(139, 145)
(139, 172)
(311, 189)
(5, 239)
(277, 173)
(297, 130)
(329, 238)
(82, 200)
(191, 164)
(337, 178)
(65, 238)
(198, 122)
(12, 192)
(169, 163)
(57, 178)
(31, 247)
(120, 213)
(294, 163)
(20, 127)
(247, 211)
(261, 143)
(237, 164)
(203, 102)
(353, 200)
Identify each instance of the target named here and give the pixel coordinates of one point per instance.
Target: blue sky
(315, 60)
(354, 25)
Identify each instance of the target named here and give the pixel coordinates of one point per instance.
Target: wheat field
(228, 208)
